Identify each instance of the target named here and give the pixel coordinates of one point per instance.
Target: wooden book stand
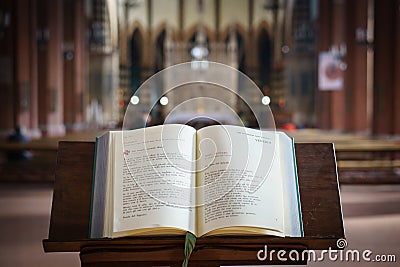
(69, 225)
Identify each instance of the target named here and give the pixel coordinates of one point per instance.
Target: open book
(170, 179)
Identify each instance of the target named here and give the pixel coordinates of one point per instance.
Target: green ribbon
(190, 242)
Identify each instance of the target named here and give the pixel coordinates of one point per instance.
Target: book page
(154, 175)
(239, 180)
(291, 197)
(99, 200)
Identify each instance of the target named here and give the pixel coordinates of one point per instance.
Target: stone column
(396, 60)
(75, 65)
(356, 74)
(50, 61)
(338, 99)
(323, 99)
(386, 118)
(7, 41)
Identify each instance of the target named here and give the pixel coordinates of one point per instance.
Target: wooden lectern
(69, 225)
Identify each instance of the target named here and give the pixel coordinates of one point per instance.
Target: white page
(293, 216)
(243, 155)
(151, 186)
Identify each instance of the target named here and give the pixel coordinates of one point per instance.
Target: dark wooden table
(69, 225)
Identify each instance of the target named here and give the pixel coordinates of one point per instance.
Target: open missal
(219, 180)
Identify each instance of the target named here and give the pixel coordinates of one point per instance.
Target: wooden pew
(368, 162)
(39, 168)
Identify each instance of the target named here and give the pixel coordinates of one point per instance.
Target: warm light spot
(265, 100)
(135, 100)
(164, 100)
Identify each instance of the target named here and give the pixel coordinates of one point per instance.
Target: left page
(154, 173)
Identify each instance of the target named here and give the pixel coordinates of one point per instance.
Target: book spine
(298, 190)
(93, 185)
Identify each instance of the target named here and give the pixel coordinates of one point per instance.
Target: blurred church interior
(74, 65)
(329, 68)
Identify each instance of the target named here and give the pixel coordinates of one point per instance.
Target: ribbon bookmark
(190, 242)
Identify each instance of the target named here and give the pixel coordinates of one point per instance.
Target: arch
(242, 41)
(240, 29)
(133, 27)
(136, 26)
(264, 25)
(192, 31)
(136, 45)
(157, 31)
(159, 50)
(264, 55)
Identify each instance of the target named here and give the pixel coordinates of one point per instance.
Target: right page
(291, 197)
(240, 182)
